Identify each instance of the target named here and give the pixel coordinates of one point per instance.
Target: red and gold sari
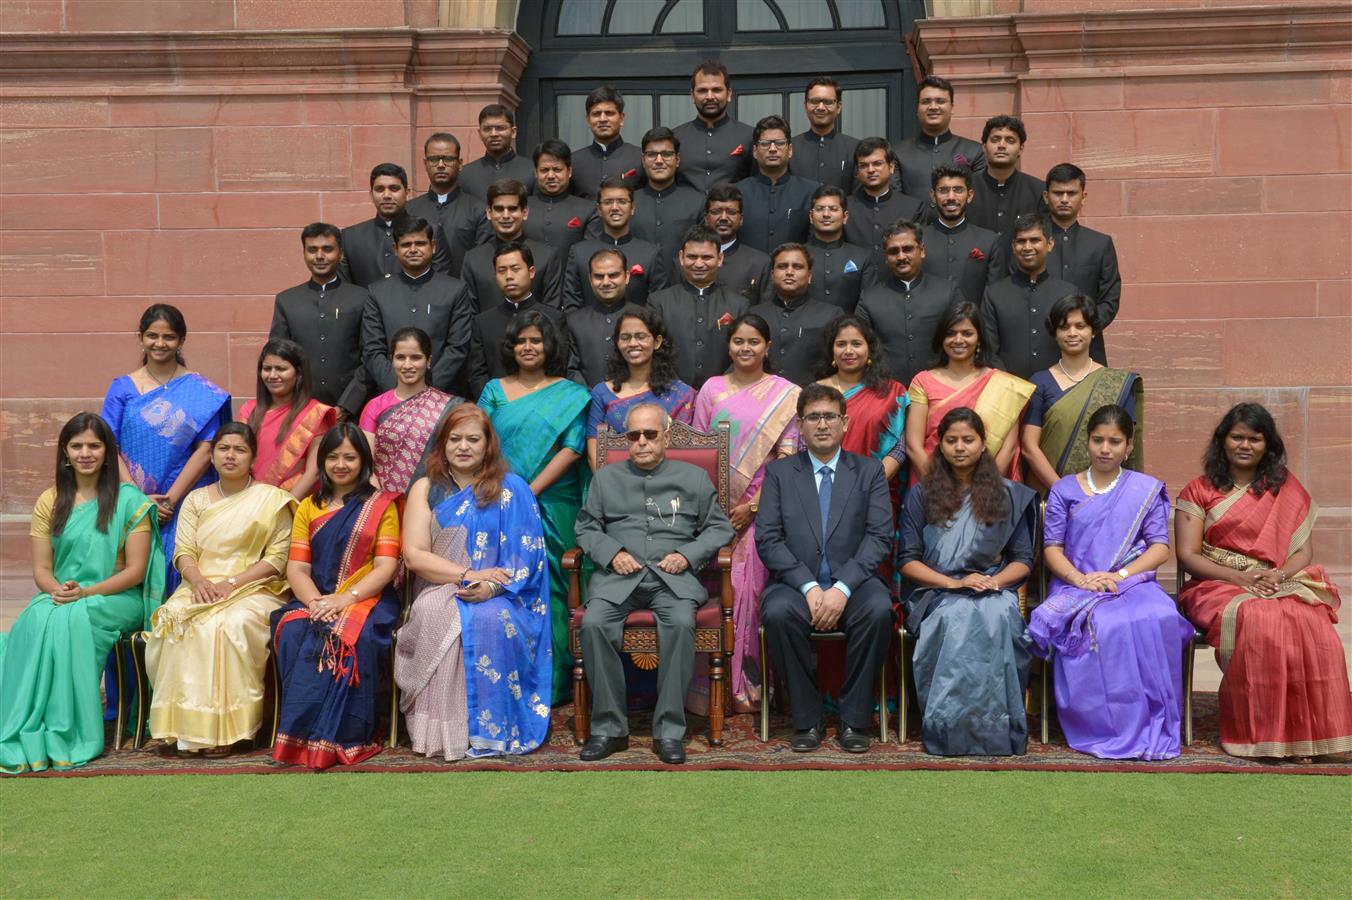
(1285, 689)
(997, 397)
(282, 463)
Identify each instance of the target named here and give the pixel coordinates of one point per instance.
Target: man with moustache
(822, 153)
(717, 147)
(876, 203)
(797, 322)
(646, 270)
(507, 211)
(417, 297)
(906, 305)
(839, 269)
(935, 145)
(698, 309)
(1002, 193)
(514, 268)
(497, 131)
(558, 218)
(368, 247)
(775, 202)
(1014, 309)
(323, 315)
(591, 326)
(608, 155)
(1084, 257)
(458, 216)
(664, 208)
(745, 270)
(956, 249)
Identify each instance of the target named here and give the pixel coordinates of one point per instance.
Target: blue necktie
(824, 501)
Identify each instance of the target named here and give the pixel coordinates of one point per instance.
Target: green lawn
(650, 834)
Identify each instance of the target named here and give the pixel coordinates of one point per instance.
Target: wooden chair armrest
(725, 580)
(725, 558)
(572, 564)
(572, 559)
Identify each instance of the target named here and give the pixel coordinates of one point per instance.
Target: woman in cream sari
(964, 379)
(209, 643)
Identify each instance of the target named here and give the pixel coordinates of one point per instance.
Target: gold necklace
(224, 496)
(1061, 364)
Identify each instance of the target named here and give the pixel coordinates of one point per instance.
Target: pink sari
(997, 397)
(283, 463)
(764, 426)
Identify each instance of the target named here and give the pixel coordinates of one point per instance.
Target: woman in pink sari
(287, 420)
(965, 378)
(761, 410)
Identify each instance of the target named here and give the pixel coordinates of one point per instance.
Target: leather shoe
(853, 740)
(599, 747)
(808, 739)
(670, 750)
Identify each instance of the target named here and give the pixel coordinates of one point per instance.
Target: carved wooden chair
(713, 620)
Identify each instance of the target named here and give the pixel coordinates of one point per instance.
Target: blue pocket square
(850, 267)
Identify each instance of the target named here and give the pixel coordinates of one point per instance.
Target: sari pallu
(997, 397)
(1118, 656)
(1064, 441)
(51, 714)
(205, 660)
(532, 429)
(404, 436)
(476, 677)
(331, 672)
(1285, 690)
(972, 650)
(282, 464)
(762, 421)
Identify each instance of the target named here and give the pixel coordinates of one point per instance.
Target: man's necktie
(824, 501)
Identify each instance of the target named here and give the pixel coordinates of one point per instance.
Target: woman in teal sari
(541, 420)
(97, 561)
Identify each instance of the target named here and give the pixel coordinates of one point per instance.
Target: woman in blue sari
(474, 660)
(164, 417)
(541, 419)
(332, 642)
(1118, 638)
(967, 544)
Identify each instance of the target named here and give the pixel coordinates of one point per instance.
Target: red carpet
(742, 750)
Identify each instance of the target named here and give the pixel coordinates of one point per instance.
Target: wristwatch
(1122, 573)
(754, 507)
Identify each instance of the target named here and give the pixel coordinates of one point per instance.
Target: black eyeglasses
(648, 434)
(777, 143)
(828, 418)
(448, 160)
(659, 154)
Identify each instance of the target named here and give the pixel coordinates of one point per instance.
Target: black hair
(828, 190)
(944, 492)
(813, 392)
(614, 183)
(870, 145)
(701, 234)
(444, 137)
(508, 247)
(660, 133)
(170, 315)
(507, 187)
(66, 485)
(663, 374)
(608, 251)
(763, 328)
(605, 94)
(791, 247)
(497, 111)
(241, 429)
(406, 225)
(321, 229)
(947, 171)
(1271, 474)
(724, 192)
(934, 81)
(389, 170)
(1065, 173)
(958, 312)
(331, 441)
(1081, 303)
(1013, 123)
(294, 354)
(823, 81)
(556, 357)
(555, 148)
(901, 225)
(417, 334)
(711, 67)
(875, 374)
(1029, 221)
(770, 123)
(1113, 415)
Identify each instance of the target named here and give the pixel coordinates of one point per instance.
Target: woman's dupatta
(1063, 439)
(285, 464)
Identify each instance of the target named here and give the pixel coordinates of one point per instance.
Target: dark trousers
(867, 623)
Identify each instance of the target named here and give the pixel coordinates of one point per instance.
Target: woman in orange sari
(965, 378)
(287, 420)
(1243, 533)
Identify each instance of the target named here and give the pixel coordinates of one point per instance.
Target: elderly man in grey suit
(823, 528)
(650, 525)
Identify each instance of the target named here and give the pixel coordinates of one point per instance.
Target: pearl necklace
(1089, 477)
(1061, 364)
(224, 496)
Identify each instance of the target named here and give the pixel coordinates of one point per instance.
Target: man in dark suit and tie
(823, 526)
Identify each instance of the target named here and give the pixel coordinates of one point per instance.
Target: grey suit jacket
(859, 525)
(673, 508)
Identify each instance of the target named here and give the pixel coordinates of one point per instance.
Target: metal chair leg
(394, 702)
(276, 692)
(765, 689)
(882, 703)
(1048, 698)
(1190, 652)
(138, 664)
(120, 720)
(903, 693)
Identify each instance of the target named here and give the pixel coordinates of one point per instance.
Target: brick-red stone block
(312, 157)
(1144, 143)
(1169, 354)
(244, 350)
(1288, 351)
(1320, 140)
(1182, 89)
(1330, 446)
(240, 109)
(120, 315)
(41, 366)
(149, 15)
(318, 14)
(1064, 94)
(238, 210)
(346, 208)
(52, 112)
(1219, 300)
(1192, 196)
(17, 16)
(1308, 193)
(375, 144)
(176, 263)
(1335, 297)
(28, 432)
(51, 263)
(358, 109)
(103, 160)
(77, 212)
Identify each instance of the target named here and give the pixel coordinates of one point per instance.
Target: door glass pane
(581, 16)
(638, 117)
(751, 108)
(635, 16)
(797, 115)
(806, 14)
(686, 17)
(572, 120)
(674, 109)
(861, 14)
(865, 112)
(755, 15)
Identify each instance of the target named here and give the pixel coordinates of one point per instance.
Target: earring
(869, 362)
(66, 462)
(834, 364)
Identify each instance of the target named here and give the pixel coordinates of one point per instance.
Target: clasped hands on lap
(624, 563)
(824, 606)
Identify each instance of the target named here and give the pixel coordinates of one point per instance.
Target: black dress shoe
(670, 750)
(600, 746)
(852, 740)
(808, 739)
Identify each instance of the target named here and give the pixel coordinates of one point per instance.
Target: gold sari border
(1322, 747)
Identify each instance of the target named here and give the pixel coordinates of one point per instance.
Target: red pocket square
(725, 320)
(630, 174)
(976, 253)
(574, 222)
(739, 150)
(636, 271)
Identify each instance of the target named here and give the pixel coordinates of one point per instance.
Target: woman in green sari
(541, 420)
(98, 561)
(1054, 437)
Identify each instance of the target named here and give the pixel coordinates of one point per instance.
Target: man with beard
(458, 216)
(717, 147)
(507, 212)
(646, 271)
(368, 247)
(608, 155)
(839, 269)
(797, 322)
(822, 153)
(558, 218)
(1014, 309)
(745, 270)
(956, 249)
(699, 310)
(497, 131)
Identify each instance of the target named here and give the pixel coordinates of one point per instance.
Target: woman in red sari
(1243, 533)
(287, 420)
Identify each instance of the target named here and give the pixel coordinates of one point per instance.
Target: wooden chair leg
(718, 696)
(138, 664)
(765, 690)
(121, 677)
(1190, 652)
(581, 717)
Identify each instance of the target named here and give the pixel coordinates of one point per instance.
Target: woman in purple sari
(1115, 638)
